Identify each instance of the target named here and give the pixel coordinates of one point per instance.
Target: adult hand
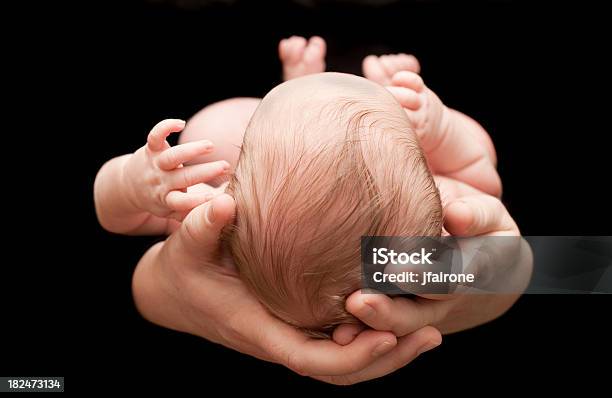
(181, 284)
(471, 215)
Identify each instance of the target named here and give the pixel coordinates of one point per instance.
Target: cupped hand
(470, 215)
(182, 284)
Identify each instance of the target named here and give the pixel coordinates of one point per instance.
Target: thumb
(202, 227)
(476, 215)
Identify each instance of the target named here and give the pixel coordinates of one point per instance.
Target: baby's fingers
(187, 176)
(156, 140)
(185, 201)
(173, 157)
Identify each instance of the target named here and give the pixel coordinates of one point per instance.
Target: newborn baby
(322, 160)
(326, 159)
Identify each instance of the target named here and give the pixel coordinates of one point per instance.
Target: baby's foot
(381, 69)
(425, 111)
(456, 146)
(301, 57)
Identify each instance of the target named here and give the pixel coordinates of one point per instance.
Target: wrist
(149, 291)
(126, 184)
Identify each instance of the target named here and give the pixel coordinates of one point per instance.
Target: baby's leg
(381, 69)
(455, 145)
(480, 134)
(224, 124)
(301, 57)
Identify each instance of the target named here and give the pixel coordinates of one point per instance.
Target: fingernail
(366, 311)
(182, 122)
(208, 145)
(428, 346)
(226, 166)
(210, 214)
(382, 348)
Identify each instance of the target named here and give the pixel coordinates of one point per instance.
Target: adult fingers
(408, 348)
(399, 315)
(307, 356)
(347, 332)
(200, 230)
(478, 215)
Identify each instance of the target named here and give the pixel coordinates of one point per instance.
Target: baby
(326, 159)
(323, 160)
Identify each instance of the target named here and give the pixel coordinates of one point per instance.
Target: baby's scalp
(326, 159)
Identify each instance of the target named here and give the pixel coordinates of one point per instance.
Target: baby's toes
(394, 63)
(406, 62)
(387, 62)
(291, 50)
(314, 55)
(374, 70)
(408, 98)
(409, 80)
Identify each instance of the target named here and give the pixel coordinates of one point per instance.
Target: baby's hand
(157, 182)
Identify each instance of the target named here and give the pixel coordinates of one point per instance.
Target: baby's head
(326, 159)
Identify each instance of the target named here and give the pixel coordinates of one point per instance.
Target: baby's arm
(455, 145)
(149, 191)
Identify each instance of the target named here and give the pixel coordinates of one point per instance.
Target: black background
(533, 74)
